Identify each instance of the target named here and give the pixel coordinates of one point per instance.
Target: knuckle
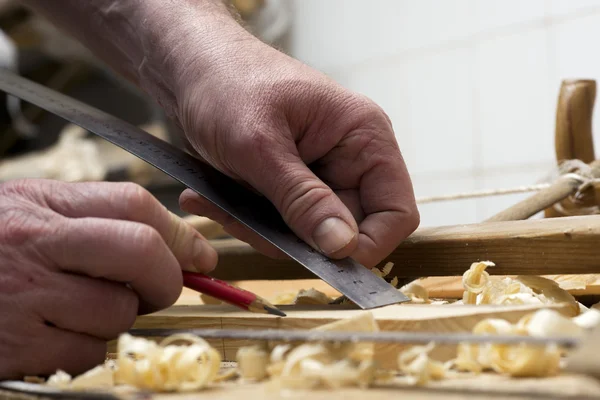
(20, 226)
(22, 188)
(304, 200)
(147, 239)
(136, 198)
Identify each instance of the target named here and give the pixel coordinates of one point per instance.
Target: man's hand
(78, 262)
(326, 157)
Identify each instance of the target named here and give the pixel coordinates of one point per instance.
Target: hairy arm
(151, 42)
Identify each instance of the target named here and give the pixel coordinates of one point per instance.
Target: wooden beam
(569, 245)
(406, 317)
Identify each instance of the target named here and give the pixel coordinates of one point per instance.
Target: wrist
(185, 44)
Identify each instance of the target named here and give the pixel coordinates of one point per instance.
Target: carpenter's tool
(349, 277)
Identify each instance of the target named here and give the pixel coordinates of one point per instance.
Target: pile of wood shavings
(168, 367)
(143, 364)
(314, 365)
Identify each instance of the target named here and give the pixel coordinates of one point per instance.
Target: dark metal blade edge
(347, 276)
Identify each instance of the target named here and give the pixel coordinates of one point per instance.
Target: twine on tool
(585, 174)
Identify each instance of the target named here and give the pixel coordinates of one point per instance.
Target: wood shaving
(474, 281)
(418, 368)
(588, 320)
(416, 292)
(304, 296)
(480, 288)
(518, 360)
(144, 364)
(253, 362)
(74, 158)
(312, 365)
(550, 292)
(311, 296)
(166, 366)
(100, 377)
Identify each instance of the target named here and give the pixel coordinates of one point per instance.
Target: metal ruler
(373, 337)
(347, 276)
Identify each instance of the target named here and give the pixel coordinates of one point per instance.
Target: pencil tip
(274, 311)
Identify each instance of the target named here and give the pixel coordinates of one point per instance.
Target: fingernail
(332, 235)
(204, 256)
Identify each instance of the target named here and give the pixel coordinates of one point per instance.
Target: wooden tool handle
(532, 247)
(573, 136)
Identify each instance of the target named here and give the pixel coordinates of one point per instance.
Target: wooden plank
(482, 387)
(450, 287)
(407, 317)
(566, 245)
(269, 290)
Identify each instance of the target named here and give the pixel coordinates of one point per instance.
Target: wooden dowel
(558, 191)
(566, 245)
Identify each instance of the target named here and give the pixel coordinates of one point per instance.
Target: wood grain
(481, 387)
(574, 114)
(407, 317)
(558, 191)
(573, 135)
(567, 245)
(450, 287)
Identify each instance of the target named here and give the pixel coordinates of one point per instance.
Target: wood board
(475, 388)
(439, 287)
(450, 287)
(567, 245)
(482, 387)
(406, 317)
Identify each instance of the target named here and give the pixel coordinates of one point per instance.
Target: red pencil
(223, 291)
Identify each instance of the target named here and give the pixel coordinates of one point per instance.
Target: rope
(483, 193)
(569, 169)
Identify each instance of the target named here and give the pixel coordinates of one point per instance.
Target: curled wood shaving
(589, 319)
(311, 296)
(144, 364)
(330, 365)
(550, 292)
(474, 281)
(573, 282)
(253, 362)
(418, 368)
(416, 292)
(304, 296)
(480, 288)
(518, 360)
(166, 366)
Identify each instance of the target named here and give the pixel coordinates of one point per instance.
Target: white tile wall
(515, 104)
(493, 14)
(445, 212)
(470, 85)
(424, 95)
(575, 56)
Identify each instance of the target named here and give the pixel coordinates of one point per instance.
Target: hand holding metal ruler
(255, 212)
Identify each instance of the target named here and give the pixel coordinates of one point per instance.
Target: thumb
(308, 206)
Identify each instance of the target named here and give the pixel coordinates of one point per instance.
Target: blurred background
(471, 87)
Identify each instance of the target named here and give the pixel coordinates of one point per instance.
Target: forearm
(151, 42)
